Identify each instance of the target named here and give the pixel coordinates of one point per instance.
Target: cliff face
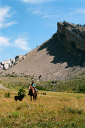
(72, 38)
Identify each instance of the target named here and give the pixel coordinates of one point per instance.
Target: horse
(32, 93)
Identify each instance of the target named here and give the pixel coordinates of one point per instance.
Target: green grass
(57, 105)
(55, 109)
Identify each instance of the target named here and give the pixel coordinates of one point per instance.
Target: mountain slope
(51, 61)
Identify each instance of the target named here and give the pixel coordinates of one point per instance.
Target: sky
(26, 24)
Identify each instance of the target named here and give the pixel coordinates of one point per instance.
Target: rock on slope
(59, 58)
(4, 65)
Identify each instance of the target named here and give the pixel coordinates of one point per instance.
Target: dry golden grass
(53, 110)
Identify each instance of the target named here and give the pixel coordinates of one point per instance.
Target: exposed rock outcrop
(72, 37)
(4, 65)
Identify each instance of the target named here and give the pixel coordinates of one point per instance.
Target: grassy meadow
(50, 110)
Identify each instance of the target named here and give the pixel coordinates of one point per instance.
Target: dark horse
(32, 93)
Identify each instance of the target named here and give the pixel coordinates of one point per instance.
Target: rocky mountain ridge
(4, 65)
(59, 58)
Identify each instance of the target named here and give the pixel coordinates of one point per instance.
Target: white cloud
(5, 17)
(5, 25)
(35, 12)
(80, 11)
(4, 13)
(22, 44)
(35, 1)
(48, 16)
(4, 41)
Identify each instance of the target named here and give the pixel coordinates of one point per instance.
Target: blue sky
(26, 24)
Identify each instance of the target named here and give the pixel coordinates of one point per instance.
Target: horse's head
(32, 90)
(31, 87)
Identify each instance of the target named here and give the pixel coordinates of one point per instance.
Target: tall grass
(54, 107)
(48, 111)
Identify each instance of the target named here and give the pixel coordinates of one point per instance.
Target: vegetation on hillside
(80, 25)
(73, 85)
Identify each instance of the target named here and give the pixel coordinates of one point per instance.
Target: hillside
(59, 58)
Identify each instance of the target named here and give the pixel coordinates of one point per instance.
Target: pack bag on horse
(33, 90)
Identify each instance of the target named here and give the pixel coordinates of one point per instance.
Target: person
(34, 86)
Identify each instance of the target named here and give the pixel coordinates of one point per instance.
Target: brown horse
(32, 93)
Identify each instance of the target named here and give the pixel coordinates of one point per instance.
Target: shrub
(15, 114)
(44, 93)
(79, 25)
(81, 89)
(84, 25)
(21, 92)
(7, 95)
(40, 87)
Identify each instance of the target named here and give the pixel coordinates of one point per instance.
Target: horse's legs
(31, 98)
(35, 96)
